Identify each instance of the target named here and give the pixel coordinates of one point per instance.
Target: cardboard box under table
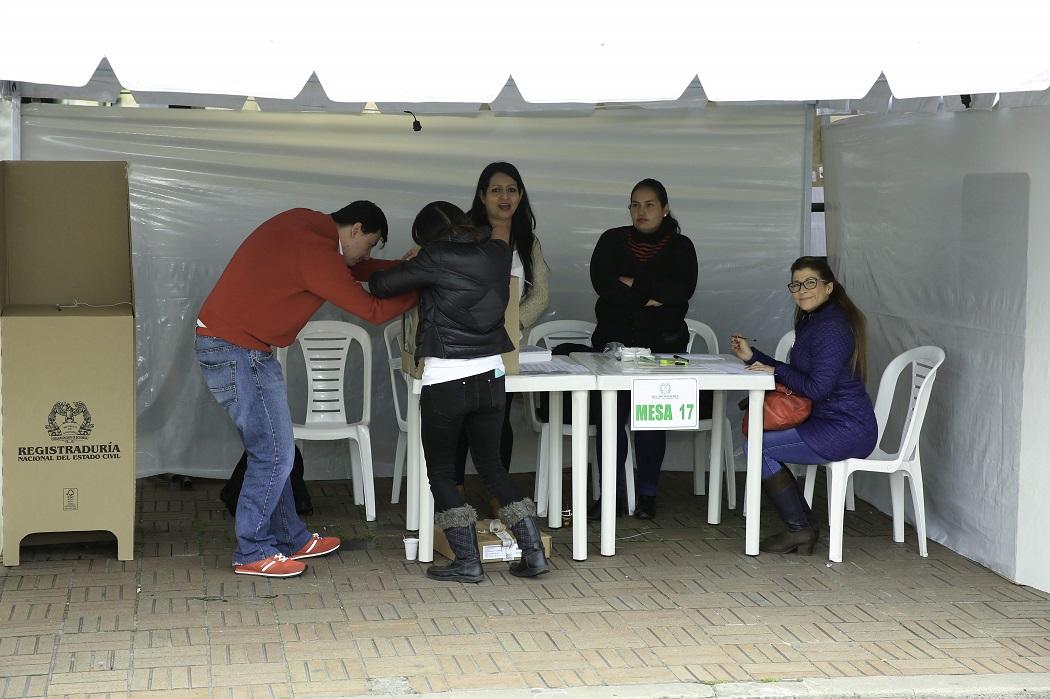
(68, 372)
(495, 544)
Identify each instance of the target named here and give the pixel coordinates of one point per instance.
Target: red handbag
(782, 409)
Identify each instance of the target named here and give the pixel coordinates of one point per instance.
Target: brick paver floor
(680, 602)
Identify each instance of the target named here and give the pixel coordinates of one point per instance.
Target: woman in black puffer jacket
(462, 277)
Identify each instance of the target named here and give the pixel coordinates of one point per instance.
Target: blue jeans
(249, 384)
(784, 446)
(649, 446)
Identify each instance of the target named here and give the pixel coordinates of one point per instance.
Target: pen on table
(684, 359)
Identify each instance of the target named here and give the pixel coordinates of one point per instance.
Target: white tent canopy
(580, 51)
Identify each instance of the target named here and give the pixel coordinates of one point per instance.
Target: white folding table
(612, 375)
(420, 503)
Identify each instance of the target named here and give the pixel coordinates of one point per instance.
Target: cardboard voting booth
(67, 352)
(511, 322)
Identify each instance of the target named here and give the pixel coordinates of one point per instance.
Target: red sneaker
(276, 566)
(317, 546)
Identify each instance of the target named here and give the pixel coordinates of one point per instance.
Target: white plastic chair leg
(729, 464)
(918, 505)
(811, 479)
(836, 509)
(355, 473)
(368, 483)
(897, 501)
(542, 457)
(400, 453)
(699, 471)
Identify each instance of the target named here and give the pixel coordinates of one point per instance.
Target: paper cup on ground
(411, 548)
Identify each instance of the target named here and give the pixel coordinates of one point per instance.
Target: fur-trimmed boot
(458, 525)
(802, 530)
(520, 518)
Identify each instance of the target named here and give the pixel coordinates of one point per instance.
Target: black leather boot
(520, 518)
(802, 532)
(645, 508)
(594, 510)
(462, 535)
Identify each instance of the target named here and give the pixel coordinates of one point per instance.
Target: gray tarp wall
(941, 227)
(202, 180)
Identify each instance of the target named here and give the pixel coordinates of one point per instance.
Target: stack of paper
(530, 354)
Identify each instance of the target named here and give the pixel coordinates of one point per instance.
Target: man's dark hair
(370, 216)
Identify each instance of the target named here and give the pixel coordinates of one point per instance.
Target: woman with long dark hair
(461, 274)
(828, 366)
(501, 205)
(644, 275)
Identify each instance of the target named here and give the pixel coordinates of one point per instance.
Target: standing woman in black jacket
(461, 273)
(644, 275)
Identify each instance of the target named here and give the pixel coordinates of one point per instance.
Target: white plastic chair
(783, 352)
(392, 341)
(548, 335)
(326, 346)
(923, 362)
(706, 334)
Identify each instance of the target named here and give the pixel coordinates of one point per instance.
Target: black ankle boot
(594, 510)
(802, 533)
(645, 508)
(462, 536)
(520, 518)
(533, 558)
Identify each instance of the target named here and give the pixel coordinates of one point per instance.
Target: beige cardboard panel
(511, 322)
(485, 538)
(68, 423)
(67, 232)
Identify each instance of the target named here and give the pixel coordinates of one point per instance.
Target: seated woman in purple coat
(827, 366)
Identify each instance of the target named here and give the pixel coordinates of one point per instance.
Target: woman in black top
(461, 274)
(644, 275)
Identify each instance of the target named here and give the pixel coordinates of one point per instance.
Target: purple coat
(842, 424)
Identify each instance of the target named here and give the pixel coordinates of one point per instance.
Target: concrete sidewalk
(1033, 686)
(679, 611)
(1028, 686)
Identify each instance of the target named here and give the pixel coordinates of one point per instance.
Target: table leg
(579, 475)
(426, 514)
(714, 461)
(608, 537)
(554, 461)
(752, 488)
(414, 448)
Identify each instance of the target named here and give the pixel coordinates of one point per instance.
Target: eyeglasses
(810, 283)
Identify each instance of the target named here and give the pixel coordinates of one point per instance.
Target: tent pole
(806, 245)
(11, 118)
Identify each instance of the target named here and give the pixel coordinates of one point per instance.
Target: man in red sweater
(280, 275)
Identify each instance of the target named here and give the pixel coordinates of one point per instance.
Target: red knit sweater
(280, 276)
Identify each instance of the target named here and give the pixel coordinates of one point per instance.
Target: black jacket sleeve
(605, 274)
(677, 287)
(411, 275)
